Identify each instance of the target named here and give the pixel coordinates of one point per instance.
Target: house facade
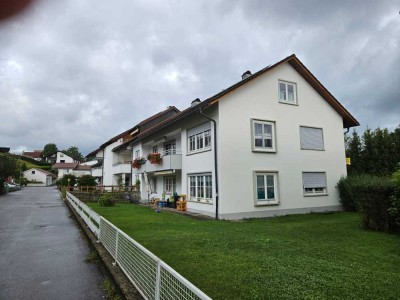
(271, 144)
(115, 164)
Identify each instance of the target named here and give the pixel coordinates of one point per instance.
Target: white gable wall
(61, 156)
(258, 99)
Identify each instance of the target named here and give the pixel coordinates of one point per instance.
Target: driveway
(42, 253)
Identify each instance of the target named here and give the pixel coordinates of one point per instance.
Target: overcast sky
(76, 72)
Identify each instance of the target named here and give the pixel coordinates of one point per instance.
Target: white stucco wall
(38, 176)
(259, 99)
(109, 160)
(62, 156)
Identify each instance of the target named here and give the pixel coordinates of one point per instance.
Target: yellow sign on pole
(348, 161)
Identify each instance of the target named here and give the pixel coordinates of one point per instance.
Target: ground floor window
(314, 183)
(200, 187)
(266, 188)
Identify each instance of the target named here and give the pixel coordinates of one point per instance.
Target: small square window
(287, 92)
(33, 172)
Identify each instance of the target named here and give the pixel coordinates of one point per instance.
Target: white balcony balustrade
(122, 167)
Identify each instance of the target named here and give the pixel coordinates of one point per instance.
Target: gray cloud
(77, 73)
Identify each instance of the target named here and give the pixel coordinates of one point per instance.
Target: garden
(300, 256)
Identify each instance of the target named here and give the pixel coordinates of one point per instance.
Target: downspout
(102, 169)
(347, 130)
(215, 161)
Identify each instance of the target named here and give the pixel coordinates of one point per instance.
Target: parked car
(11, 187)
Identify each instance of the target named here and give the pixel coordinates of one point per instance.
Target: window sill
(260, 150)
(287, 102)
(267, 203)
(315, 195)
(312, 149)
(198, 151)
(210, 202)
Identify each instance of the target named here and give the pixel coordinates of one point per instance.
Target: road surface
(42, 252)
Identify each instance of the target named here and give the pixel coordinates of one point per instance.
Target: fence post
(158, 280)
(116, 248)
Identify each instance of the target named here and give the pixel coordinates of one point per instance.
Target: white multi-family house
(271, 144)
(115, 165)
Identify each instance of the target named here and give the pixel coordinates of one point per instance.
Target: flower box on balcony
(138, 162)
(154, 158)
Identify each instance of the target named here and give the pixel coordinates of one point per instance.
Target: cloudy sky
(76, 72)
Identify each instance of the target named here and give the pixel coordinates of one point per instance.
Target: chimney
(195, 102)
(246, 75)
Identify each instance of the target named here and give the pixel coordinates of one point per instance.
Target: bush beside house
(376, 197)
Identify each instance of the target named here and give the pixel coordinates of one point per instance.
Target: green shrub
(64, 180)
(346, 195)
(394, 210)
(2, 189)
(370, 195)
(107, 199)
(87, 180)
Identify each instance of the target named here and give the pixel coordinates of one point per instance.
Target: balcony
(171, 160)
(122, 167)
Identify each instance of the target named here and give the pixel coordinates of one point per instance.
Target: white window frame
(169, 185)
(254, 135)
(137, 154)
(197, 142)
(309, 148)
(204, 187)
(266, 201)
(315, 191)
(287, 83)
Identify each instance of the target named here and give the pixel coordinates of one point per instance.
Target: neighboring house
(35, 154)
(82, 170)
(40, 176)
(271, 144)
(71, 168)
(60, 157)
(115, 165)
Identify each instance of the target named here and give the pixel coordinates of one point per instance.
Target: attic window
(33, 172)
(287, 92)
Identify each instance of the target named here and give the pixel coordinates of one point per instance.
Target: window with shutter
(311, 138)
(314, 183)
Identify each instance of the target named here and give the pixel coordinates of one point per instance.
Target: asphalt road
(42, 253)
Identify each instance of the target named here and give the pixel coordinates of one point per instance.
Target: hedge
(373, 197)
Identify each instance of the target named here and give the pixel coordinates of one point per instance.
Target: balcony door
(170, 147)
(169, 185)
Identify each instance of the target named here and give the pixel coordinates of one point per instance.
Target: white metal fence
(152, 277)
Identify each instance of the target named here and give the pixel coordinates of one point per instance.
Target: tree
(87, 180)
(73, 151)
(8, 166)
(64, 180)
(353, 150)
(49, 149)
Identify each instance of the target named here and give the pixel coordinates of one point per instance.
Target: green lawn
(314, 256)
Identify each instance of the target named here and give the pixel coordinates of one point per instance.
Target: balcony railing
(122, 167)
(171, 160)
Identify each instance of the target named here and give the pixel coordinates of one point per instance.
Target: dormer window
(287, 92)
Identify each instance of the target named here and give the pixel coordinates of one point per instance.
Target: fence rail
(152, 277)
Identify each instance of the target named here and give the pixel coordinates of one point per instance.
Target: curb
(126, 288)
